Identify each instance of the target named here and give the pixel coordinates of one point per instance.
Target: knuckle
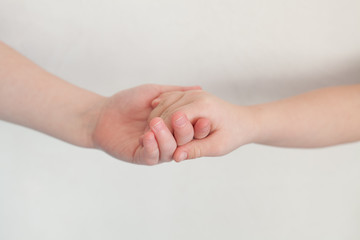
(166, 114)
(162, 103)
(196, 153)
(205, 102)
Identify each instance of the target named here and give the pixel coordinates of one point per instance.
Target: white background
(243, 51)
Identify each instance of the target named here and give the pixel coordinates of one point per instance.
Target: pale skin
(320, 118)
(118, 125)
(127, 127)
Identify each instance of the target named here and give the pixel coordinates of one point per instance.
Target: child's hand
(231, 125)
(159, 142)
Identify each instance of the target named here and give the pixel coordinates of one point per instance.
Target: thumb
(206, 147)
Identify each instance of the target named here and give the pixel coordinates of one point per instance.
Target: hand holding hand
(124, 120)
(231, 125)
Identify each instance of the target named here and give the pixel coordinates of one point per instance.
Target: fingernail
(182, 156)
(158, 126)
(180, 122)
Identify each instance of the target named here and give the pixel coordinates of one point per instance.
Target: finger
(155, 102)
(183, 129)
(152, 91)
(202, 128)
(167, 88)
(167, 99)
(150, 152)
(164, 89)
(163, 105)
(164, 138)
(206, 147)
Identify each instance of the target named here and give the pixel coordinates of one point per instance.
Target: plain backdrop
(245, 52)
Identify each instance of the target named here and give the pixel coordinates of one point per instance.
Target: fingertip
(155, 102)
(180, 154)
(202, 128)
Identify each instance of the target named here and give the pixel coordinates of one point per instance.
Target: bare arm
(34, 98)
(319, 118)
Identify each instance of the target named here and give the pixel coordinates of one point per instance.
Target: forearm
(319, 118)
(34, 98)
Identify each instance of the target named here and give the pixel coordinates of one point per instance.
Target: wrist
(90, 117)
(248, 123)
(261, 126)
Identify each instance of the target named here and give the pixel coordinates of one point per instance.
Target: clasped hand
(129, 128)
